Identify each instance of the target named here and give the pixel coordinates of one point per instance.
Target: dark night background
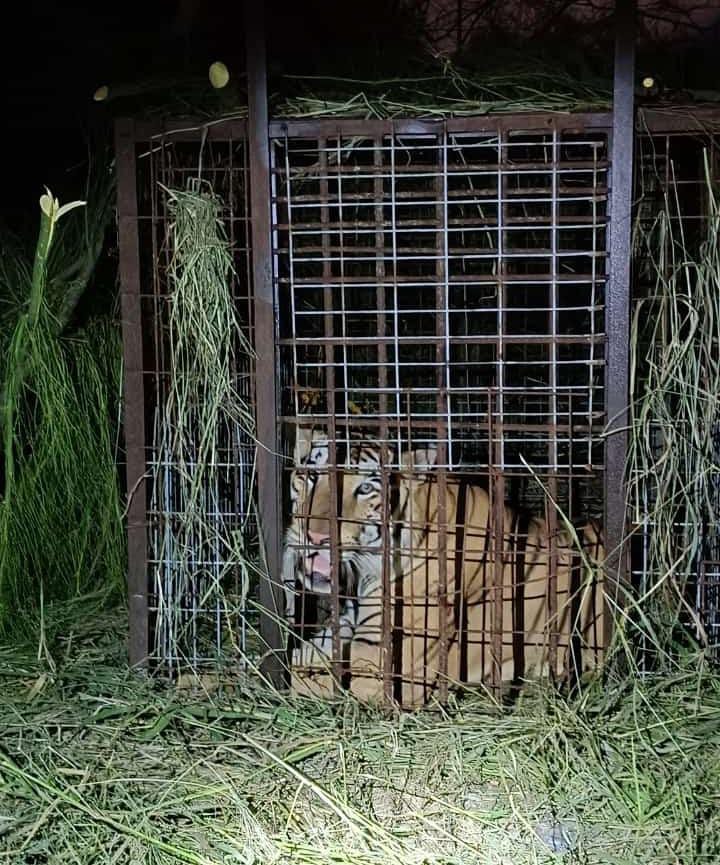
(55, 55)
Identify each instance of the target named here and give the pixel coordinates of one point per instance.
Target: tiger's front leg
(312, 658)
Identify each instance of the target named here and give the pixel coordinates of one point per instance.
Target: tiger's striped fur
(408, 511)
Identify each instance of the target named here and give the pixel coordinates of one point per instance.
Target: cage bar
(134, 427)
(271, 597)
(618, 303)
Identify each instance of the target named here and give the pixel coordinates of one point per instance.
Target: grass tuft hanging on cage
(204, 413)
(674, 476)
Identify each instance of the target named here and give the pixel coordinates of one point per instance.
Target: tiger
(405, 515)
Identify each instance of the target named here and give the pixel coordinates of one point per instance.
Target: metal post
(617, 314)
(133, 393)
(266, 397)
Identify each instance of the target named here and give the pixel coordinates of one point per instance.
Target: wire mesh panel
(201, 529)
(441, 295)
(675, 491)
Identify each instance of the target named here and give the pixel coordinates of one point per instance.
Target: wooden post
(266, 396)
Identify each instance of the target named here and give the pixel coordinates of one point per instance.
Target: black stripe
(369, 618)
(519, 538)
(574, 659)
(398, 605)
(459, 605)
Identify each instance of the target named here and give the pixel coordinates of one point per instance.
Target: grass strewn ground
(99, 765)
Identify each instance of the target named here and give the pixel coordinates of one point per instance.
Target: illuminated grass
(100, 765)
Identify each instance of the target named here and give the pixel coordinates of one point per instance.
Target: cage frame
(130, 133)
(338, 129)
(620, 124)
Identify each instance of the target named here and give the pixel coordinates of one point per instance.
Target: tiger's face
(360, 512)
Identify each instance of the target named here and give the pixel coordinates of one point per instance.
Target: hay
(99, 765)
(204, 413)
(675, 415)
(445, 91)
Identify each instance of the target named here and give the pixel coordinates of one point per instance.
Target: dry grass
(100, 765)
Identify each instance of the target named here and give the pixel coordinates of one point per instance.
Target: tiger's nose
(318, 538)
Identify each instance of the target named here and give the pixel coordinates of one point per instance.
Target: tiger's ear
(420, 459)
(368, 454)
(310, 445)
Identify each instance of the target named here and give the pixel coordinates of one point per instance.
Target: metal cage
(178, 621)
(441, 308)
(441, 289)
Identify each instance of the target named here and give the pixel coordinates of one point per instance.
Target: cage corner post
(133, 392)
(266, 397)
(617, 321)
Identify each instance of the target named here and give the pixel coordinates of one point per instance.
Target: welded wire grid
(199, 613)
(671, 175)
(447, 291)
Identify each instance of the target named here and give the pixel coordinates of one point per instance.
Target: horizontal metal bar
(368, 128)
(420, 171)
(455, 226)
(191, 130)
(679, 119)
(459, 279)
(418, 198)
(507, 338)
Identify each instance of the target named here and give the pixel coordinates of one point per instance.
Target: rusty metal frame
(679, 119)
(266, 319)
(671, 145)
(532, 121)
(260, 130)
(135, 140)
(266, 403)
(375, 131)
(618, 309)
(133, 391)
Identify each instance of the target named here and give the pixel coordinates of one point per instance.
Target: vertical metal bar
(496, 406)
(496, 527)
(503, 149)
(554, 615)
(280, 182)
(552, 521)
(335, 515)
(441, 366)
(266, 397)
(596, 181)
(160, 577)
(133, 391)
(402, 603)
(618, 305)
(388, 631)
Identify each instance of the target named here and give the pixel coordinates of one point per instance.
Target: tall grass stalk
(60, 520)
